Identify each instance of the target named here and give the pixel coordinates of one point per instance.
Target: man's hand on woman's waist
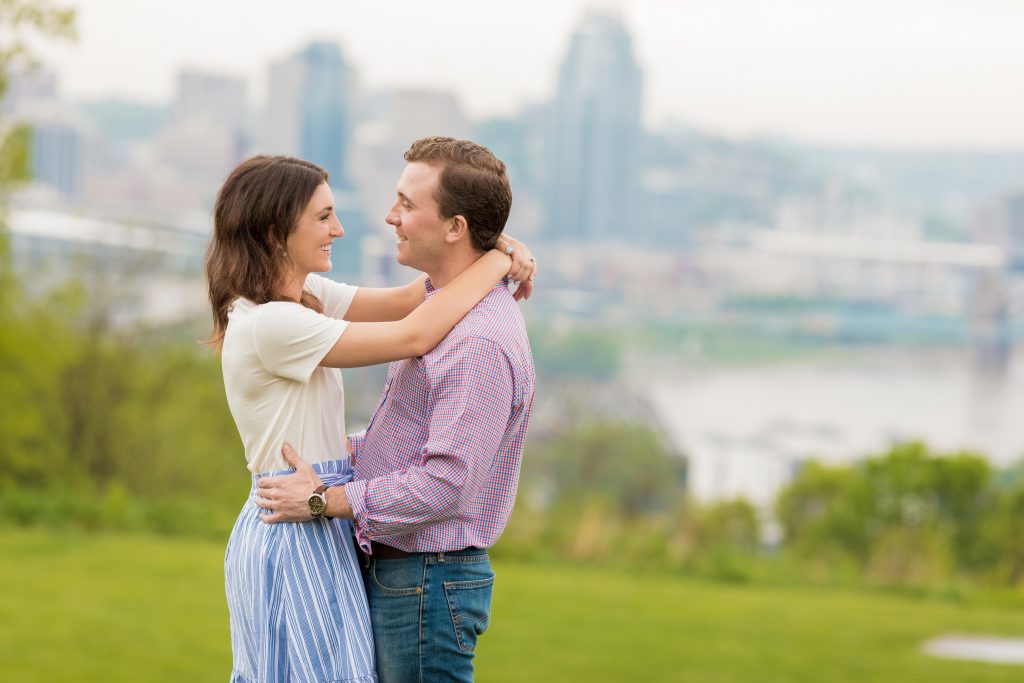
(286, 497)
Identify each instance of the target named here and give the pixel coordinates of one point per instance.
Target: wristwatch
(317, 502)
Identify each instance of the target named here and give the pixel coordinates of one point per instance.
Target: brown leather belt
(379, 551)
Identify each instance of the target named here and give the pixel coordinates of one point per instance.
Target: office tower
(994, 290)
(1001, 222)
(1013, 215)
(213, 96)
(399, 117)
(308, 112)
(595, 135)
(58, 141)
(57, 155)
(411, 114)
(216, 99)
(207, 134)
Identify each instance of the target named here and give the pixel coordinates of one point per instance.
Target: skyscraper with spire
(596, 134)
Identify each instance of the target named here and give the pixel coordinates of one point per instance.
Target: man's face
(416, 218)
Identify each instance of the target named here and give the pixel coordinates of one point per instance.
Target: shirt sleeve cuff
(355, 491)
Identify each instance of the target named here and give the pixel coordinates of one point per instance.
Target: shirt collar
(431, 291)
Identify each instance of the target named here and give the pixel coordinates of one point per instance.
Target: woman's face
(309, 244)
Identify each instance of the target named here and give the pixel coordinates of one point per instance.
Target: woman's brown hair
(257, 208)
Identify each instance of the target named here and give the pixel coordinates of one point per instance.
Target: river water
(745, 430)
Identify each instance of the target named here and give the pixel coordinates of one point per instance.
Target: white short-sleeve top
(276, 389)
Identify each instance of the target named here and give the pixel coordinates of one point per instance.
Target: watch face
(317, 505)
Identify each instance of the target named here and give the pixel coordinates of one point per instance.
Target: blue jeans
(426, 612)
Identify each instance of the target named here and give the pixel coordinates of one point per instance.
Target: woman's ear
(278, 244)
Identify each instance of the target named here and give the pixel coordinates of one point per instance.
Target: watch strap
(322, 490)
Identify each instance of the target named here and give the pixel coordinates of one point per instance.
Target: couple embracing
(379, 572)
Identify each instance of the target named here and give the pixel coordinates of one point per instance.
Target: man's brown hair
(473, 185)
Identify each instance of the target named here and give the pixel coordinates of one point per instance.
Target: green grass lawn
(144, 608)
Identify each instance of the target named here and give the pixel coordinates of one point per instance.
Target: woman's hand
(524, 265)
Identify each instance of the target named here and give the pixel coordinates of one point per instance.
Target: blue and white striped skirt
(298, 608)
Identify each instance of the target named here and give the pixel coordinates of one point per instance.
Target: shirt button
(387, 386)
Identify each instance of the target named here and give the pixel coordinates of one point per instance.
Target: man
(438, 466)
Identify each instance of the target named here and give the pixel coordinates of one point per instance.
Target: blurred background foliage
(127, 428)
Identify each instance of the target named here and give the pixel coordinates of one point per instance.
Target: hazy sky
(907, 73)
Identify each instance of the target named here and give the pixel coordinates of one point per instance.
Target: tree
(26, 361)
(20, 21)
(908, 515)
(625, 464)
(825, 511)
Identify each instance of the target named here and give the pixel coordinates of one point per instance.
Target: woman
(298, 610)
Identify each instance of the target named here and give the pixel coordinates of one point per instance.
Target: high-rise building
(57, 156)
(308, 109)
(58, 136)
(206, 135)
(399, 117)
(208, 132)
(1001, 222)
(214, 96)
(1013, 215)
(596, 134)
(994, 293)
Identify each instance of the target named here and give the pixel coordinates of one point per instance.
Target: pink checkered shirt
(438, 466)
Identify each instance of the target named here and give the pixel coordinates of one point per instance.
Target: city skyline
(835, 73)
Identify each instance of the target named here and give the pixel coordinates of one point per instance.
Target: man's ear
(456, 229)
